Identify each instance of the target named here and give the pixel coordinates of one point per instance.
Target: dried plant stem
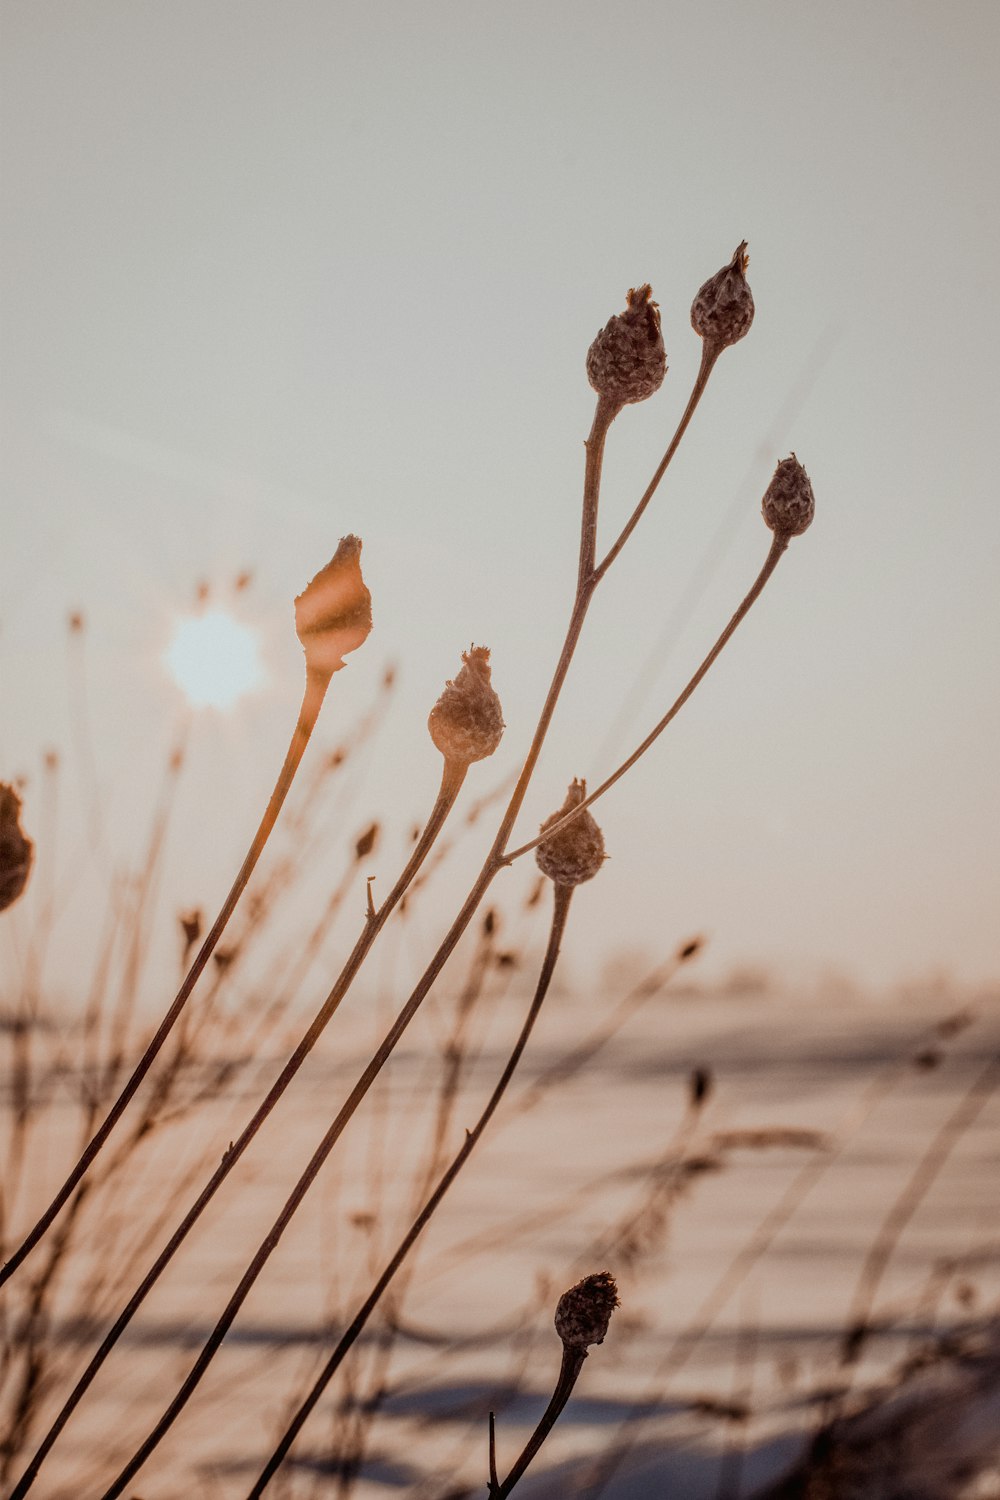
(569, 1372)
(906, 1204)
(312, 702)
(451, 783)
(354, 1329)
(600, 1473)
(709, 354)
(778, 546)
(495, 861)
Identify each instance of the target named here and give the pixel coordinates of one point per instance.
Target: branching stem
(778, 546)
(495, 861)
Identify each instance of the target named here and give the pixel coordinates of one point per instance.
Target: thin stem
(312, 701)
(603, 417)
(352, 1332)
(906, 1204)
(451, 783)
(569, 1373)
(778, 546)
(709, 354)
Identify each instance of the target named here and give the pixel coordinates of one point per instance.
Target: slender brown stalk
(352, 1332)
(709, 354)
(312, 701)
(569, 1373)
(451, 783)
(906, 1204)
(778, 545)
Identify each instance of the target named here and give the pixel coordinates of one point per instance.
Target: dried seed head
(333, 614)
(466, 723)
(723, 310)
(15, 848)
(788, 505)
(584, 1312)
(576, 853)
(627, 362)
(699, 1086)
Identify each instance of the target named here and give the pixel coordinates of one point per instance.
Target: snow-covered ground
(737, 1231)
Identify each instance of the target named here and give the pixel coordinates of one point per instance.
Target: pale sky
(277, 272)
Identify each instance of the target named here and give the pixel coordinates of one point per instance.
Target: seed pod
(584, 1312)
(788, 505)
(576, 852)
(16, 848)
(723, 310)
(627, 362)
(333, 614)
(466, 723)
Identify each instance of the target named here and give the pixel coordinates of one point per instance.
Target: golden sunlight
(213, 659)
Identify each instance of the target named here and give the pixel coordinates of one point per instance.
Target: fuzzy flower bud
(466, 723)
(576, 853)
(723, 310)
(627, 362)
(788, 505)
(584, 1312)
(15, 848)
(333, 614)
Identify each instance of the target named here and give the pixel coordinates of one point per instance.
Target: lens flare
(213, 659)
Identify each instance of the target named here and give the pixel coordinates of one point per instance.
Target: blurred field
(737, 1232)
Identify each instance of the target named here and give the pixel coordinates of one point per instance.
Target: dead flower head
(16, 848)
(333, 614)
(576, 852)
(723, 309)
(583, 1314)
(627, 361)
(788, 506)
(466, 722)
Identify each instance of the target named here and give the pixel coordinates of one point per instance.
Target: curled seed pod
(576, 852)
(788, 505)
(16, 848)
(723, 309)
(466, 723)
(333, 614)
(584, 1312)
(627, 361)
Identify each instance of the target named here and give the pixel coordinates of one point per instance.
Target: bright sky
(277, 272)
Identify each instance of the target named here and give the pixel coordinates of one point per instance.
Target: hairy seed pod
(788, 505)
(723, 309)
(16, 848)
(584, 1312)
(576, 852)
(466, 723)
(627, 362)
(333, 614)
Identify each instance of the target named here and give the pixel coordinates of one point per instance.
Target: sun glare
(213, 659)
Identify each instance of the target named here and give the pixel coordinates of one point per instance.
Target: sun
(213, 659)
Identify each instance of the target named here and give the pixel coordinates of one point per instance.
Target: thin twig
(569, 1372)
(906, 1204)
(353, 1331)
(312, 701)
(709, 354)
